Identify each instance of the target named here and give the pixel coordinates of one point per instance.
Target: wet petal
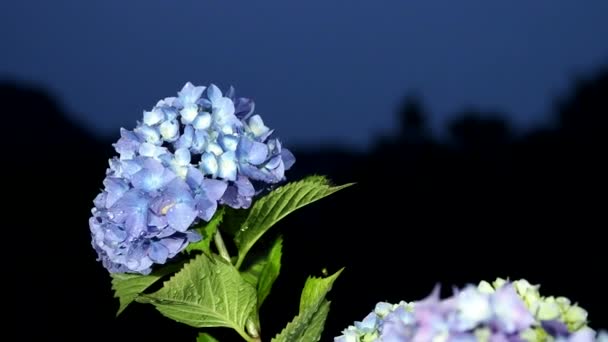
(181, 216)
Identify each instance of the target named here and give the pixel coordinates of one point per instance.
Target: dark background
(483, 200)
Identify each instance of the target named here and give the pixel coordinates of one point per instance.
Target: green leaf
(252, 273)
(204, 337)
(308, 325)
(271, 208)
(317, 323)
(128, 286)
(207, 229)
(316, 289)
(270, 272)
(207, 292)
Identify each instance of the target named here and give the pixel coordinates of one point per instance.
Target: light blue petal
(151, 151)
(185, 141)
(182, 157)
(229, 142)
(227, 166)
(148, 134)
(154, 117)
(256, 126)
(209, 164)
(189, 94)
(200, 141)
(215, 149)
(189, 113)
(214, 94)
(170, 113)
(203, 121)
(169, 130)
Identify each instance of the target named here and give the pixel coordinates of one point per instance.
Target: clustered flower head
(190, 154)
(553, 315)
(472, 314)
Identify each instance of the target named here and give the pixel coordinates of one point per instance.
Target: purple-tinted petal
(127, 145)
(100, 200)
(233, 199)
(243, 108)
(256, 174)
(511, 312)
(181, 216)
(152, 178)
(157, 220)
(244, 186)
(555, 328)
(137, 222)
(288, 158)
(193, 236)
(194, 177)
(115, 189)
(158, 253)
(274, 162)
(174, 244)
(214, 189)
(205, 207)
(165, 232)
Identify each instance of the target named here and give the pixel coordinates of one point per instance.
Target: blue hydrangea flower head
(189, 154)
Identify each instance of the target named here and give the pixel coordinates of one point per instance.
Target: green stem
(221, 247)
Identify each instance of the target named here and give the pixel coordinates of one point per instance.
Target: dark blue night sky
(319, 70)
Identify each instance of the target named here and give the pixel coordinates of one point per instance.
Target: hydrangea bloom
(189, 154)
(469, 315)
(549, 312)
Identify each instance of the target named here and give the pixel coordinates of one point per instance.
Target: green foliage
(308, 325)
(128, 286)
(207, 292)
(271, 208)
